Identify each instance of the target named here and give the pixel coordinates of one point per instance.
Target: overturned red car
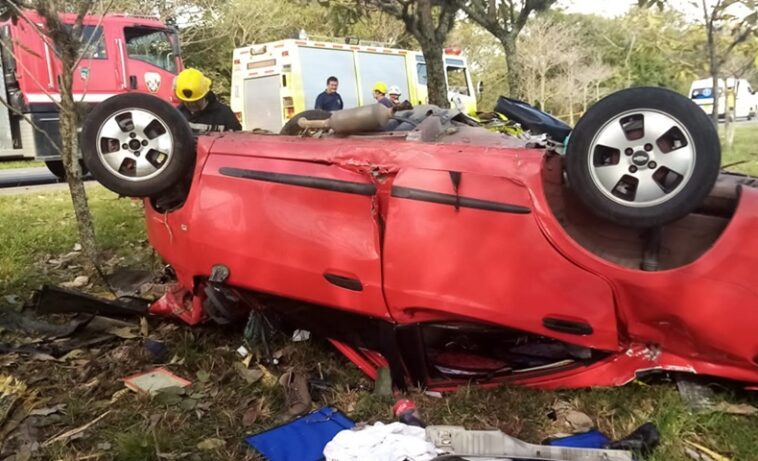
(453, 254)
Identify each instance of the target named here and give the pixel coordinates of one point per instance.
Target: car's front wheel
(643, 157)
(137, 145)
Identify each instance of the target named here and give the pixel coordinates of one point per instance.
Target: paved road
(16, 177)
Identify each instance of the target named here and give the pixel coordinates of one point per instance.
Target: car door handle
(341, 281)
(133, 82)
(572, 327)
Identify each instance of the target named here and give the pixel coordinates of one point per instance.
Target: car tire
(56, 167)
(137, 145)
(291, 128)
(643, 157)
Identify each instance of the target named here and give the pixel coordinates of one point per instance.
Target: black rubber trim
(459, 201)
(344, 282)
(567, 326)
(336, 185)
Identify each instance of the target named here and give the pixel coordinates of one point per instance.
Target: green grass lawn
(38, 227)
(745, 149)
(10, 164)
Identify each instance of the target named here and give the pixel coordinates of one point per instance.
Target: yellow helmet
(192, 85)
(380, 87)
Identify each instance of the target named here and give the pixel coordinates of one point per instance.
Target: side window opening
(92, 42)
(457, 81)
(153, 46)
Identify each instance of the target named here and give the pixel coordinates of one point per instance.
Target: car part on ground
(137, 145)
(643, 157)
(532, 119)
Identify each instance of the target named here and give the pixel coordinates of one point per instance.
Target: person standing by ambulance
(329, 99)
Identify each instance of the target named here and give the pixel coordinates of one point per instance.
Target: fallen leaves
(211, 444)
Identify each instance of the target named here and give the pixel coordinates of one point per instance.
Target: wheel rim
(641, 158)
(135, 145)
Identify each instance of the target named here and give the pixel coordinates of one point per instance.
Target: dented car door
(466, 246)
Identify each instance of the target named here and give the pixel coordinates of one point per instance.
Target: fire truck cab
(121, 54)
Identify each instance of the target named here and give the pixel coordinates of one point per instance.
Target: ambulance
(745, 98)
(125, 54)
(271, 82)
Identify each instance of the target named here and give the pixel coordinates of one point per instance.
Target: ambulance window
(421, 73)
(152, 46)
(456, 80)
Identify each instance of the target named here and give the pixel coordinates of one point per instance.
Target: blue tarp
(303, 439)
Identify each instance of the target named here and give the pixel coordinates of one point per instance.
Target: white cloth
(381, 442)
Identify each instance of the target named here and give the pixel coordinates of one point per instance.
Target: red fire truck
(122, 54)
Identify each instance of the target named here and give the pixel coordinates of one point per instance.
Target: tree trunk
(513, 69)
(729, 126)
(713, 66)
(435, 73)
(543, 77)
(69, 151)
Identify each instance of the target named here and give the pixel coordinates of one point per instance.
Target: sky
(604, 8)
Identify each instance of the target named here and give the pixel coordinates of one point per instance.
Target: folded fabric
(381, 442)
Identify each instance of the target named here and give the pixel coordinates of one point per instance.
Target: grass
(36, 228)
(745, 149)
(10, 164)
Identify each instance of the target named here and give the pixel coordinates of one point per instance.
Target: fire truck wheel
(137, 145)
(291, 128)
(643, 157)
(56, 168)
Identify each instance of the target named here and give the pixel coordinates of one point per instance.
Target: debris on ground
(568, 420)
(79, 282)
(300, 336)
(155, 380)
(75, 432)
(381, 442)
(314, 430)
(701, 453)
(297, 396)
(383, 383)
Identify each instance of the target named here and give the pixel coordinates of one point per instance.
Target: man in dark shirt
(330, 100)
(200, 106)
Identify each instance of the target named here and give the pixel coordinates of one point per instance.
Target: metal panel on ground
(262, 103)
(318, 65)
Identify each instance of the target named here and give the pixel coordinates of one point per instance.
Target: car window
(153, 46)
(456, 80)
(699, 93)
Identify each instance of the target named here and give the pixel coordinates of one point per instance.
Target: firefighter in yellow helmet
(200, 106)
(380, 94)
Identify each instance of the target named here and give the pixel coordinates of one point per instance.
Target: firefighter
(329, 99)
(380, 90)
(200, 106)
(394, 94)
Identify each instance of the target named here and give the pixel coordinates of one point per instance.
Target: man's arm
(319, 101)
(230, 120)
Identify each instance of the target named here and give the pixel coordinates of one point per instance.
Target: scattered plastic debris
(300, 336)
(154, 380)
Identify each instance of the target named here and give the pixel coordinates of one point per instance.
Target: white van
(746, 101)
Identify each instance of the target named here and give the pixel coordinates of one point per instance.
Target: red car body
(382, 238)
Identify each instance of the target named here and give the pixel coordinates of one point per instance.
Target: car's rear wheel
(291, 128)
(643, 157)
(137, 145)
